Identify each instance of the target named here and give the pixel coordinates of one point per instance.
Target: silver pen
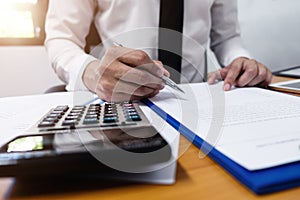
(164, 78)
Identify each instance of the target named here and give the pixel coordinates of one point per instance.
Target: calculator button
(109, 112)
(92, 113)
(93, 110)
(95, 105)
(79, 107)
(75, 114)
(110, 119)
(110, 109)
(133, 118)
(46, 124)
(73, 117)
(110, 115)
(51, 119)
(62, 108)
(129, 110)
(57, 112)
(131, 113)
(54, 115)
(77, 110)
(110, 106)
(69, 122)
(92, 116)
(90, 121)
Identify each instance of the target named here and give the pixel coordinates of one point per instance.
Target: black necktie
(170, 35)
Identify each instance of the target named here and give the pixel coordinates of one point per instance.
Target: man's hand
(124, 74)
(242, 72)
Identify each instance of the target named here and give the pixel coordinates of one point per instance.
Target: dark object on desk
(293, 72)
(57, 88)
(81, 151)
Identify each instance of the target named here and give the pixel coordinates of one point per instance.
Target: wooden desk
(196, 179)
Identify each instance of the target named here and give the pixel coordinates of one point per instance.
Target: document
(19, 114)
(254, 127)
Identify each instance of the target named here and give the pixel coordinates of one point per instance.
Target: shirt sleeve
(226, 41)
(67, 25)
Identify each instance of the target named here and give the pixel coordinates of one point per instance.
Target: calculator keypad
(93, 116)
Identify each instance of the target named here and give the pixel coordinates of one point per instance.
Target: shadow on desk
(33, 187)
(57, 88)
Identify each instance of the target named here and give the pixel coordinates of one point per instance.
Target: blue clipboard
(260, 182)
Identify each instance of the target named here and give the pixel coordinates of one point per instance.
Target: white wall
(25, 70)
(271, 31)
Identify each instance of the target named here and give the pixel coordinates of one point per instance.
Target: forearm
(230, 50)
(68, 61)
(226, 41)
(67, 26)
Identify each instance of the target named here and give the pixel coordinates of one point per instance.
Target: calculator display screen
(30, 143)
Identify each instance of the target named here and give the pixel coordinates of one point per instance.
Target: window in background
(22, 22)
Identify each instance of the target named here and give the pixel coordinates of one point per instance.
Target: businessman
(159, 37)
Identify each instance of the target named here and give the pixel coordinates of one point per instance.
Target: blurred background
(270, 30)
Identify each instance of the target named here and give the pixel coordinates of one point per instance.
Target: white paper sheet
(254, 127)
(18, 114)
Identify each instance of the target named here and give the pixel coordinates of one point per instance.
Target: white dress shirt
(134, 24)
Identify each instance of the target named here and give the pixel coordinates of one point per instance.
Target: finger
(160, 64)
(136, 76)
(234, 71)
(138, 58)
(223, 72)
(264, 78)
(116, 97)
(153, 94)
(212, 77)
(215, 76)
(115, 52)
(260, 77)
(249, 74)
(142, 78)
(132, 89)
(269, 78)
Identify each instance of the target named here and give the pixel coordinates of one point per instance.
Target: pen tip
(178, 88)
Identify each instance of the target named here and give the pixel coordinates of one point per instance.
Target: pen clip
(171, 83)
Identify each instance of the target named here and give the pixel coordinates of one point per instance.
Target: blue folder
(259, 181)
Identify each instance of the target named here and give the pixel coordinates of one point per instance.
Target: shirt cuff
(75, 82)
(234, 54)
